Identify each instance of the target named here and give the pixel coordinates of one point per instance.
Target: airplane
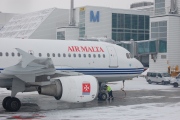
(69, 70)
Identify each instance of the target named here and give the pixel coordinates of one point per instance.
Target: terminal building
(89, 21)
(5, 17)
(165, 26)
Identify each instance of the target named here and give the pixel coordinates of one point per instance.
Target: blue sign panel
(94, 17)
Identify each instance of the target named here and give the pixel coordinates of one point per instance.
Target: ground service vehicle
(158, 77)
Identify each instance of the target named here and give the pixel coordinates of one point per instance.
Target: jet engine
(82, 88)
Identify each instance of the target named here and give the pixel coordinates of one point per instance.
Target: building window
(130, 26)
(82, 23)
(159, 7)
(159, 32)
(61, 35)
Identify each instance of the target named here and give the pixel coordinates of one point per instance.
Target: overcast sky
(25, 6)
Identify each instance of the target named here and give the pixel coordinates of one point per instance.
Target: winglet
(26, 57)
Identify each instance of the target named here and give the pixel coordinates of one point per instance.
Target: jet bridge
(144, 47)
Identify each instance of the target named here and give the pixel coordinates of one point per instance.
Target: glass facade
(129, 26)
(61, 35)
(159, 32)
(159, 7)
(82, 23)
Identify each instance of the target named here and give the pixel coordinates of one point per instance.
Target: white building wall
(104, 26)
(178, 6)
(101, 28)
(71, 33)
(47, 30)
(173, 43)
(158, 65)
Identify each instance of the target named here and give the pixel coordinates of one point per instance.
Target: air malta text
(85, 49)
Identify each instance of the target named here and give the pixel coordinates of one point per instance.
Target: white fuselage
(107, 62)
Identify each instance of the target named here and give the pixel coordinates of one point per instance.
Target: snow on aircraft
(70, 71)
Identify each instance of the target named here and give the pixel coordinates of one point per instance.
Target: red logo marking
(86, 88)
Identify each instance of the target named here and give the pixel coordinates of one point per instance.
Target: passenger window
(84, 55)
(127, 55)
(48, 55)
(74, 55)
(79, 55)
(99, 55)
(7, 54)
(104, 56)
(59, 55)
(40, 54)
(18, 54)
(94, 55)
(89, 55)
(69, 55)
(12, 54)
(64, 55)
(1, 54)
(53, 54)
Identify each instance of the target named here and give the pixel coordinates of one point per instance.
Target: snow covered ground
(149, 111)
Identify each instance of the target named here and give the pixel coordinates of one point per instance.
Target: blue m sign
(93, 17)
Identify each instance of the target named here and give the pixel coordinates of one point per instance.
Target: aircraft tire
(99, 96)
(57, 98)
(163, 83)
(103, 96)
(13, 104)
(175, 85)
(149, 81)
(5, 101)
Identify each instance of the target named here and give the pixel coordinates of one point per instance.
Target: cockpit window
(127, 55)
(130, 55)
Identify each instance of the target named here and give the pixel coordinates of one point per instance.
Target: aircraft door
(113, 60)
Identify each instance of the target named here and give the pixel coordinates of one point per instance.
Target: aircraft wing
(30, 67)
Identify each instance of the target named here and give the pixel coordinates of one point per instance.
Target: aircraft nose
(139, 65)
